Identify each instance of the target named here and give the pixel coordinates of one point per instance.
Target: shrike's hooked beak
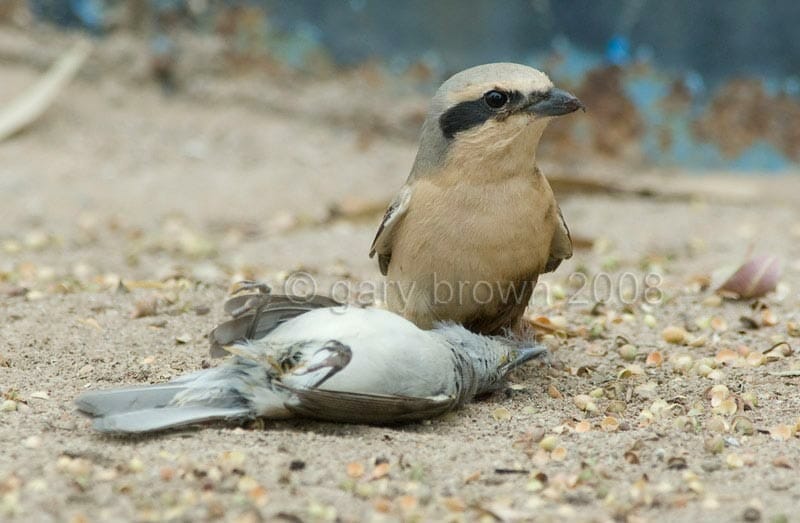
(556, 102)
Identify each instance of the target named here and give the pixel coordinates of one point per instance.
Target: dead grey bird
(314, 358)
(476, 223)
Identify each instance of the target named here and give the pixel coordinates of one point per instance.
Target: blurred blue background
(686, 83)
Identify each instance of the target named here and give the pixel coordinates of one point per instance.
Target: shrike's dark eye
(495, 99)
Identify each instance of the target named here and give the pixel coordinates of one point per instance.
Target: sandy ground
(177, 198)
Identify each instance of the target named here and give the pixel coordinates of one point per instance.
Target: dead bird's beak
(520, 357)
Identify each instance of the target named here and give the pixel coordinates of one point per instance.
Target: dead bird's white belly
(390, 355)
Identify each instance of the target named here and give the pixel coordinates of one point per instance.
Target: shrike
(476, 222)
(314, 358)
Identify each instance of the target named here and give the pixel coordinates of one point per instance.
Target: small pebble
(751, 514)
(627, 352)
(32, 442)
(135, 465)
(548, 443)
(674, 334)
(501, 414)
(714, 300)
(714, 444)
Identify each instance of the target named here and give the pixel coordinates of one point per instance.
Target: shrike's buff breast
(496, 236)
